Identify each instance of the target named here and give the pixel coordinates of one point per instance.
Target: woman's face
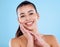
(27, 16)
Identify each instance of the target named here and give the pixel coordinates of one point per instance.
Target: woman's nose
(28, 18)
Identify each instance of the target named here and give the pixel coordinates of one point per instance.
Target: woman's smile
(30, 23)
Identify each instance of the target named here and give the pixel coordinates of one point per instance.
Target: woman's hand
(38, 40)
(33, 38)
(28, 36)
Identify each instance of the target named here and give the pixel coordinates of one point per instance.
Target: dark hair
(25, 3)
(19, 32)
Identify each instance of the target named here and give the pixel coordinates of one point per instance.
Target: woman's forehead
(27, 8)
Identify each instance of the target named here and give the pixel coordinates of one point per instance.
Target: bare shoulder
(15, 42)
(51, 39)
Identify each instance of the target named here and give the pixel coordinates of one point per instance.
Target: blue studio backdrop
(49, 22)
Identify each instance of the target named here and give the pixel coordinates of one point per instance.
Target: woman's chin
(29, 28)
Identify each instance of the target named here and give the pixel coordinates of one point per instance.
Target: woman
(27, 34)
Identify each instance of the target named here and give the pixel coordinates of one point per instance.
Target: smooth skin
(31, 37)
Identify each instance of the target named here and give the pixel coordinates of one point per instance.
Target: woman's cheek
(22, 22)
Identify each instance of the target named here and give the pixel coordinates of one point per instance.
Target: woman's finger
(25, 32)
(23, 29)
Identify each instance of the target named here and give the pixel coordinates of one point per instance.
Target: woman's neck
(35, 30)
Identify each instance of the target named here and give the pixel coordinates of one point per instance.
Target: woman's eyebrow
(21, 13)
(30, 11)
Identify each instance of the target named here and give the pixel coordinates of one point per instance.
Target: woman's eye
(22, 16)
(31, 14)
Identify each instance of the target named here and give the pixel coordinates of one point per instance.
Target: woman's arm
(27, 35)
(30, 43)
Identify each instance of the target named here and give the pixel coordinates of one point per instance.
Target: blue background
(49, 22)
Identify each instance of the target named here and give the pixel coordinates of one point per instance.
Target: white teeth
(29, 23)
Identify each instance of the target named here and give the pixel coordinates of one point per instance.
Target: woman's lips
(29, 23)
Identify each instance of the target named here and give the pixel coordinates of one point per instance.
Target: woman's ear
(18, 20)
(38, 16)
